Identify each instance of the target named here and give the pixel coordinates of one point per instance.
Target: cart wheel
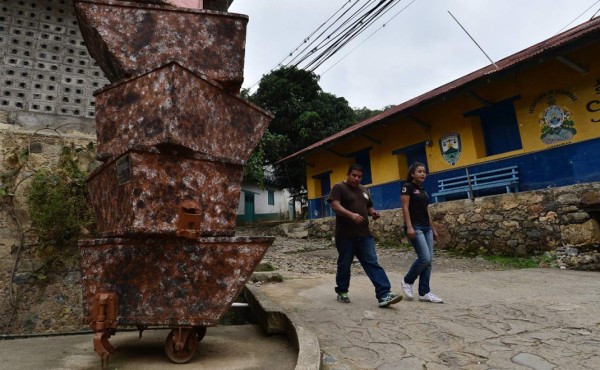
(183, 355)
(200, 332)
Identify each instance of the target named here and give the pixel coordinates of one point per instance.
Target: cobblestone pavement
(492, 318)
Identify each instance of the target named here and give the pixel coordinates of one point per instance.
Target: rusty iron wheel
(200, 332)
(186, 353)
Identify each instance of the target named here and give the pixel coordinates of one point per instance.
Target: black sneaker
(343, 297)
(389, 299)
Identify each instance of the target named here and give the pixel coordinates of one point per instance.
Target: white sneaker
(430, 297)
(407, 289)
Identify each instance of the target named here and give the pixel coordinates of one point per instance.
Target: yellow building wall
(572, 91)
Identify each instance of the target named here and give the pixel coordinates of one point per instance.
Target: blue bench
(507, 177)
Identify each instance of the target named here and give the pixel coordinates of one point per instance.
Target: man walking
(352, 205)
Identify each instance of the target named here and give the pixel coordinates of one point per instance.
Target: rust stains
(141, 193)
(169, 281)
(173, 105)
(149, 36)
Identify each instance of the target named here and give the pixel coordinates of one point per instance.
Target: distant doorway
(249, 214)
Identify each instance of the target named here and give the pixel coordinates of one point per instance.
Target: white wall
(261, 205)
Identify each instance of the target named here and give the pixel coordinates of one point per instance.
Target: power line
(368, 37)
(306, 39)
(328, 37)
(472, 39)
(335, 33)
(585, 11)
(347, 31)
(594, 15)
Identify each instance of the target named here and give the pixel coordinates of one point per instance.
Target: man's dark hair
(355, 167)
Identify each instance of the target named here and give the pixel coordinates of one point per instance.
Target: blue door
(325, 180)
(362, 157)
(500, 128)
(416, 155)
(249, 208)
(325, 185)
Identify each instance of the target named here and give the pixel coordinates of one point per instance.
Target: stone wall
(563, 222)
(31, 302)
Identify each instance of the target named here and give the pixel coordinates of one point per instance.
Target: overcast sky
(420, 49)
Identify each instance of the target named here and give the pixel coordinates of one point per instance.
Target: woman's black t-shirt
(417, 207)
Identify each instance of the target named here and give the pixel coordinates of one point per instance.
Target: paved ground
(492, 318)
(223, 348)
(519, 319)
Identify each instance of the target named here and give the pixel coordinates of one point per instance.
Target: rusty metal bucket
(181, 283)
(173, 106)
(149, 36)
(169, 281)
(141, 193)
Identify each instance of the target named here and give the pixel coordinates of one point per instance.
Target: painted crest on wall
(451, 148)
(556, 123)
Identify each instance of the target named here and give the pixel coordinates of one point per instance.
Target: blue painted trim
(559, 166)
(322, 174)
(409, 148)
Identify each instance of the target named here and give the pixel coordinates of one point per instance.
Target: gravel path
(318, 256)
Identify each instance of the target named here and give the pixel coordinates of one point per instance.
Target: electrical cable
(328, 37)
(347, 27)
(362, 42)
(306, 39)
(585, 11)
(350, 32)
(368, 37)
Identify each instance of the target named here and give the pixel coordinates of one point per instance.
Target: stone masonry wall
(563, 222)
(32, 302)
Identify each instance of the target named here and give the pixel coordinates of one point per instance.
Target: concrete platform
(224, 348)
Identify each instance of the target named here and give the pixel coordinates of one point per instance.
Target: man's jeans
(364, 250)
(421, 268)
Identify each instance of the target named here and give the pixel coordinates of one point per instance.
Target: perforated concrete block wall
(45, 66)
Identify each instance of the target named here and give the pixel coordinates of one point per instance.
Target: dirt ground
(308, 256)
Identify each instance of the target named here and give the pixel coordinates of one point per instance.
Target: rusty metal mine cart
(173, 136)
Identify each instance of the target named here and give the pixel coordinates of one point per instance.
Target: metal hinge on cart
(103, 321)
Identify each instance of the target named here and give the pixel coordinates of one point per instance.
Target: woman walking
(418, 226)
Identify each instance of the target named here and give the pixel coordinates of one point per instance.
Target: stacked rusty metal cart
(174, 136)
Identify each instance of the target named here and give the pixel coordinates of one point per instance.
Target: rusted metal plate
(149, 36)
(172, 105)
(169, 281)
(220, 5)
(141, 193)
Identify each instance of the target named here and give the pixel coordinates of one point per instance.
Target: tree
(304, 114)
(365, 113)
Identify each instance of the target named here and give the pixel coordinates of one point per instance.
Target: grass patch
(265, 266)
(390, 245)
(515, 262)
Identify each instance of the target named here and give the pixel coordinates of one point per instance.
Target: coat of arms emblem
(556, 123)
(450, 147)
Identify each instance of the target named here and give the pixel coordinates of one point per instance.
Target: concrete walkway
(239, 347)
(516, 319)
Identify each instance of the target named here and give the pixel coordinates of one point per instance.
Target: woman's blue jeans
(421, 268)
(364, 250)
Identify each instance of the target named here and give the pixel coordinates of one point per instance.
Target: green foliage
(515, 262)
(365, 113)
(254, 167)
(58, 203)
(304, 114)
